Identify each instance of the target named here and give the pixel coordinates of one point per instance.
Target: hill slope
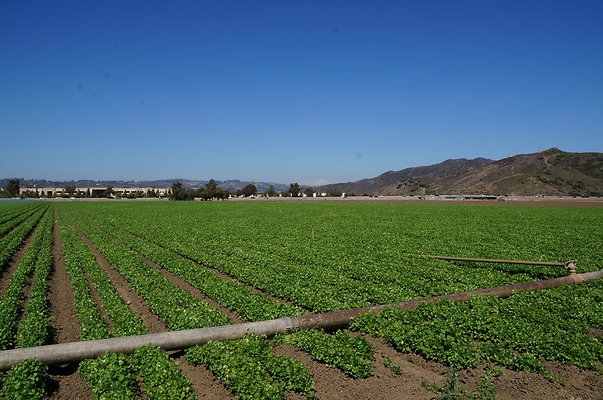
(550, 172)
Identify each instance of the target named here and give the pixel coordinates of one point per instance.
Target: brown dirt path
(66, 383)
(331, 383)
(572, 383)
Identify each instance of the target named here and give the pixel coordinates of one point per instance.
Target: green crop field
(139, 267)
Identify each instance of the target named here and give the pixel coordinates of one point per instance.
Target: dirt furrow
(66, 382)
(95, 296)
(225, 276)
(179, 282)
(204, 383)
(219, 273)
(384, 384)
(184, 285)
(153, 323)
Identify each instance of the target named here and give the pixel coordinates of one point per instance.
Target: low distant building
(95, 191)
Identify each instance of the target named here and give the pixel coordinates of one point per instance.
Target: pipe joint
(570, 266)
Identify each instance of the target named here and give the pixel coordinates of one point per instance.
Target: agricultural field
(77, 271)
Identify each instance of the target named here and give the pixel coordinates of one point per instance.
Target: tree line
(212, 191)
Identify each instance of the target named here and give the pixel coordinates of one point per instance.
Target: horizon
(178, 179)
(279, 92)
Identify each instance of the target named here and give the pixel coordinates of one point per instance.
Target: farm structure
(77, 272)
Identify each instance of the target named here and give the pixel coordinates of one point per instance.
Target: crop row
(514, 332)
(10, 211)
(16, 219)
(249, 305)
(308, 253)
(10, 305)
(345, 354)
(180, 310)
(323, 280)
(115, 375)
(11, 242)
(27, 380)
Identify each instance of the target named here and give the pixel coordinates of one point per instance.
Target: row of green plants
(11, 210)
(325, 257)
(180, 310)
(177, 307)
(320, 272)
(27, 380)
(339, 351)
(12, 240)
(249, 305)
(15, 218)
(257, 372)
(115, 376)
(10, 303)
(516, 332)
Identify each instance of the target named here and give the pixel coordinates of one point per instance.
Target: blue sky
(284, 91)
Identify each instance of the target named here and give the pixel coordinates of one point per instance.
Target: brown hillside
(552, 172)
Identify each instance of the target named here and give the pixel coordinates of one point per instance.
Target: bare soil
(203, 381)
(331, 383)
(571, 383)
(66, 383)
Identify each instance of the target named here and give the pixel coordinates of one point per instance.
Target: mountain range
(551, 172)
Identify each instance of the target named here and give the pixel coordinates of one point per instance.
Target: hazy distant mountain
(550, 172)
(233, 185)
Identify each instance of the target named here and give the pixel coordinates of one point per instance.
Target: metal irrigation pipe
(64, 353)
(568, 265)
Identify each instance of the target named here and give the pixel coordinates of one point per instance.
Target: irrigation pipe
(77, 351)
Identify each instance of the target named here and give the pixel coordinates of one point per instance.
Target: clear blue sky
(283, 91)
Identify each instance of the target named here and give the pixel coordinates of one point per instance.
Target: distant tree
(249, 190)
(152, 193)
(270, 192)
(211, 186)
(294, 189)
(13, 187)
(309, 191)
(109, 191)
(69, 190)
(180, 193)
(212, 191)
